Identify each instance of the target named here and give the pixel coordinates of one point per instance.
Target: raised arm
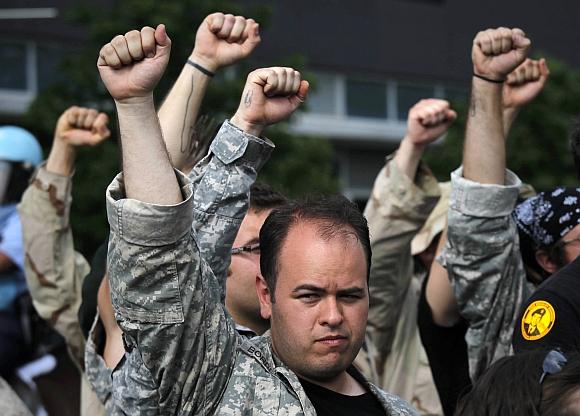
(522, 85)
(180, 342)
(482, 252)
(221, 40)
(495, 53)
(54, 271)
(402, 198)
(130, 67)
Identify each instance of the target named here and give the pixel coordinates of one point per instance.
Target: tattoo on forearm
(186, 133)
(473, 104)
(248, 98)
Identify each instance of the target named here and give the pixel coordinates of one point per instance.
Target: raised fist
(524, 83)
(223, 39)
(428, 120)
(497, 52)
(132, 64)
(270, 95)
(79, 126)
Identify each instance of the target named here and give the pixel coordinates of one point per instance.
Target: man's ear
(263, 297)
(545, 262)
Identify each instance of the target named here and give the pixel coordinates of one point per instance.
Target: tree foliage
(538, 148)
(299, 165)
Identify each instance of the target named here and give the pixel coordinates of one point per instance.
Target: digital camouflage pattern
(54, 270)
(393, 356)
(167, 283)
(482, 258)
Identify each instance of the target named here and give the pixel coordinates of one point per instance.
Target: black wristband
(495, 81)
(200, 68)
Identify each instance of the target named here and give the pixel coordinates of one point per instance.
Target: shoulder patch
(538, 320)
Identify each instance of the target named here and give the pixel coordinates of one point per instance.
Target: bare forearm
(484, 152)
(179, 111)
(509, 116)
(61, 159)
(148, 174)
(408, 157)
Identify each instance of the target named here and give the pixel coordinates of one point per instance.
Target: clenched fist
(79, 126)
(270, 96)
(223, 39)
(428, 120)
(497, 52)
(132, 64)
(525, 83)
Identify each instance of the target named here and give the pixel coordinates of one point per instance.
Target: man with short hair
(241, 298)
(183, 353)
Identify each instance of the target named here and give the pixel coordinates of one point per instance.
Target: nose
(330, 312)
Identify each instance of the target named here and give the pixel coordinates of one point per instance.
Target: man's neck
(258, 326)
(344, 383)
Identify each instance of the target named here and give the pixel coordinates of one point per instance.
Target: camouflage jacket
(393, 356)
(184, 356)
(482, 258)
(54, 270)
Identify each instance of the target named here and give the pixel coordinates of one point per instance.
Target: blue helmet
(18, 145)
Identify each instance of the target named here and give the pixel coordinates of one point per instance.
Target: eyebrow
(347, 291)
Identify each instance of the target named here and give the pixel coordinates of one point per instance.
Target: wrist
(61, 158)
(206, 62)
(129, 102)
(411, 146)
(248, 127)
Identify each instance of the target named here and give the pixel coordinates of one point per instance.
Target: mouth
(333, 340)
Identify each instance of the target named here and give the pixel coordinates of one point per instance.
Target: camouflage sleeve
(395, 212)
(180, 342)
(484, 265)
(54, 271)
(215, 204)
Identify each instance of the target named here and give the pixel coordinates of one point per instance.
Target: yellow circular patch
(538, 320)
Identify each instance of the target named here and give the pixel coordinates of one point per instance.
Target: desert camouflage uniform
(482, 258)
(184, 355)
(10, 403)
(54, 271)
(393, 356)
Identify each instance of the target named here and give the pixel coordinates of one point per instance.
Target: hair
(536, 273)
(335, 216)
(264, 197)
(511, 386)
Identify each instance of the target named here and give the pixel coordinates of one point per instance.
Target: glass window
(366, 99)
(322, 100)
(408, 95)
(49, 60)
(13, 64)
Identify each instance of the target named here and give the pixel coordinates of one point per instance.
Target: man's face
(241, 299)
(319, 316)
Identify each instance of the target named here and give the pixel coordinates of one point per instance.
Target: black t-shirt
(447, 353)
(329, 403)
(551, 316)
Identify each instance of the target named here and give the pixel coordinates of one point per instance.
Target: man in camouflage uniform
(403, 197)
(55, 272)
(167, 280)
(482, 255)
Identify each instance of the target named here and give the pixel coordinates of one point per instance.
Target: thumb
(161, 37)
(544, 70)
(520, 41)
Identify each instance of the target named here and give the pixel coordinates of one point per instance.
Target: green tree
(538, 148)
(299, 165)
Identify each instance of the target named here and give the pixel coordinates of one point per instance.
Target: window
(323, 100)
(13, 63)
(366, 99)
(48, 65)
(408, 95)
